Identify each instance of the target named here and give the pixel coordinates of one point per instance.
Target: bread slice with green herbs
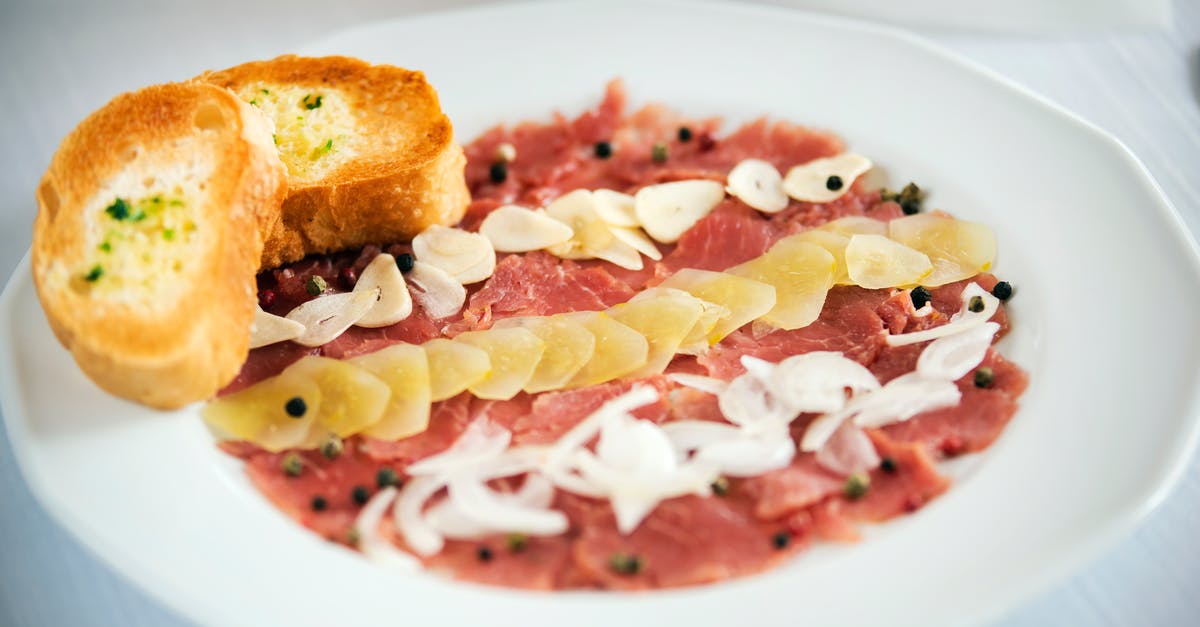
(370, 155)
(148, 237)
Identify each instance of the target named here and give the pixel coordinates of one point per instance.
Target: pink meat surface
(685, 541)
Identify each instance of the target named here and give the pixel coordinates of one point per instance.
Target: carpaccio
(755, 522)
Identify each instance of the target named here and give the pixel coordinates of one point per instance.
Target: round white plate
(1105, 321)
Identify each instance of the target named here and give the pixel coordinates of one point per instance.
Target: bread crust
(184, 345)
(391, 193)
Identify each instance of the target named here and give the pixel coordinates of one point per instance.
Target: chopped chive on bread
(148, 236)
(370, 155)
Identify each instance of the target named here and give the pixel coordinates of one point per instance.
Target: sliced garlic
(268, 329)
(666, 210)
(576, 210)
(620, 253)
(615, 208)
(758, 184)
(513, 229)
(638, 240)
(809, 182)
(438, 292)
(395, 303)
(326, 317)
(478, 272)
(468, 257)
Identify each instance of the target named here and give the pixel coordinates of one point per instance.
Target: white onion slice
(587, 428)
(268, 328)
(439, 294)
(848, 451)
(689, 435)
(959, 322)
(478, 502)
(374, 547)
(749, 402)
(480, 441)
(326, 317)
(950, 358)
(817, 381)
(395, 303)
(749, 455)
(711, 385)
(420, 536)
(901, 399)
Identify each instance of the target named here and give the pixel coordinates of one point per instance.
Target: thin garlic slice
(577, 211)
(468, 257)
(513, 229)
(666, 210)
(437, 292)
(395, 303)
(326, 317)
(810, 182)
(638, 240)
(619, 253)
(268, 329)
(615, 208)
(758, 184)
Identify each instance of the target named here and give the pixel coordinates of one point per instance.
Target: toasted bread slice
(371, 156)
(148, 237)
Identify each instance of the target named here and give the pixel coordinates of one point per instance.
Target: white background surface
(61, 61)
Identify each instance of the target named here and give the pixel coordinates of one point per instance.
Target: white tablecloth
(61, 60)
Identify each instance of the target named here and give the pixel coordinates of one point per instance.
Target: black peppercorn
(319, 503)
(292, 465)
(685, 134)
(498, 172)
(781, 540)
(603, 150)
(332, 447)
(984, 377)
(888, 465)
(625, 564)
(484, 554)
(295, 407)
(386, 477)
(920, 297)
(405, 261)
(833, 183)
(658, 153)
(360, 494)
(1003, 290)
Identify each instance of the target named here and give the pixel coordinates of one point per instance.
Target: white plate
(1105, 321)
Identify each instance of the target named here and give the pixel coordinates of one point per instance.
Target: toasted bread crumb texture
(315, 127)
(371, 156)
(148, 236)
(142, 231)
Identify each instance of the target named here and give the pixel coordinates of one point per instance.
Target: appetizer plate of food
(596, 313)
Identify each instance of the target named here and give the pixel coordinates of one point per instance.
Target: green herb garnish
(94, 274)
(119, 210)
(310, 103)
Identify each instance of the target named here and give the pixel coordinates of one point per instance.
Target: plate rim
(1101, 537)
